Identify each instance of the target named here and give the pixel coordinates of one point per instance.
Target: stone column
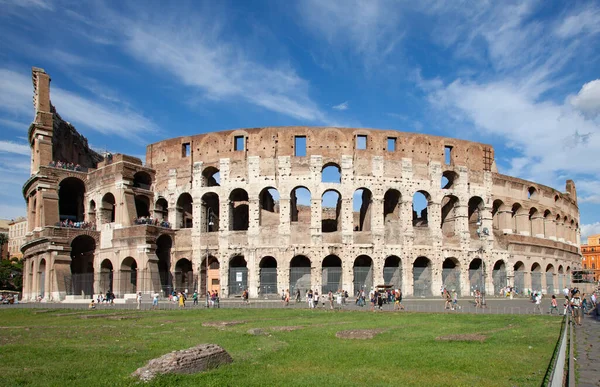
(253, 274)
(407, 278)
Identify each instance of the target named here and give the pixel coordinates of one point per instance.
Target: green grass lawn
(59, 347)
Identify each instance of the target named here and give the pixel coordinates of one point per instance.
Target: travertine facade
(16, 237)
(293, 208)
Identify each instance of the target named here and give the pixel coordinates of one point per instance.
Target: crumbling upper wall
(68, 145)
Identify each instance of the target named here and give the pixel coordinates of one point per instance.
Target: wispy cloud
(13, 147)
(588, 99)
(584, 21)
(17, 91)
(342, 106)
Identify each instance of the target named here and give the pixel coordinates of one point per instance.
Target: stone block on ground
(200, 358)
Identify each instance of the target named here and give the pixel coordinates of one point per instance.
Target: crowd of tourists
(66, 165)
(70, 224)
(574, 302)
(152, 221)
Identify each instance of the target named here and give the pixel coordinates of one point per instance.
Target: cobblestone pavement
(587, 341)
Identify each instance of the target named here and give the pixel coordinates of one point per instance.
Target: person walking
(155, 301)
(181, 300)
(538, 302)
(330, 296)
(455, 305)
(139, 300)
(553, 305)
(576, 308)
(195, 297)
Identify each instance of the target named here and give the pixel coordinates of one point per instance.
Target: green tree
(3, 241)
(11, 275)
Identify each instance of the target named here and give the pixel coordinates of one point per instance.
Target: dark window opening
(238, 143)
(361, 141)
(391, 144)
(185, 149)
(300, 146)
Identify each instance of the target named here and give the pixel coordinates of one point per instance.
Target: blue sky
(522, 76)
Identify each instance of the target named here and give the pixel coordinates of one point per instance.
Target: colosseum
(275, 208)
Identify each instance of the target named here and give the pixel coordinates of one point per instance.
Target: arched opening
(568, 277)
(531, 193)
(106, 277)
(550, 280)
(269, 207)
(210, 207)
(536, 277)
(331, 173)
(300, 207)
(268, 276)
(549, 230)
(163, 252)
(421, 201)
(92, 214)
(331, 204)
(161, 209)
(70, 199)
(142, 180)
(449, 215)
(299, 274)
(536, 222)
(497, 208)
(475, 214)
(392, 272)
(129, 276)
(561, 278)
(519, 279)
(184, 275)
(142, 206)
(361, 209)
(211, 177)
(41, 278)
(185, 217)
(451, 275)
(448, 179)
(363, 273)
(422, 277)
(238, 210)
(516, 212)
(476, 275)
(109, 208)
(391, 206)
(81, 280)
(331, 274)
(499, 276)
(238, 275)
(214, 279)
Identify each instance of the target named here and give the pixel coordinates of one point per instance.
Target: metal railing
(561, 371)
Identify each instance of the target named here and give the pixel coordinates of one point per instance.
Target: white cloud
(20, 125)
(588, 99)
(342, 106)
(16, 95)
(13, 147)
(588, 230)
(587, 20)
(42, 4)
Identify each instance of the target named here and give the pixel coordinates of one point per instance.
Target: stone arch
(532, 193)
(392, 201)
(300, 278)
(142, 180)
(106, 277)
(71, 192)
(210, 208)
(185, 218)
(161, 209)
(519, 219)
(549, 226)
(519, 277)
(450, 204)
(550, 279)
(184, 275)
(211, 177)
(331, 173)
(41, 277)
(300, 203)
(449, 179)
(332, 274)
(476, 275)
(142, 205)
(164, 243)
(422, 277)
(239, 214)
(451, 275)
(81, 280)
(109, 208)
(499, 276)
(536, 277)
(268, 275)
(91, 218)
(561, 278)
(238, 275)
(421, 200)
(331, 208)
(361, 209)
(269, 207)
(475, 216)
(213, 277)
(363, 273)
(128, 275)
(392, 271)
(536, 222)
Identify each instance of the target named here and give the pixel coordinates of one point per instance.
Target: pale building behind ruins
(251, 200)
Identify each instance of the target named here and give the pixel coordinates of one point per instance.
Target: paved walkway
(587, 341)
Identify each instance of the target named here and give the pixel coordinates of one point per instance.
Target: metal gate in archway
(519, 284)
(392, 275)
(549, 283)
(451, 279)
(299, 280)
(331, 279)
(238, 280)
(421, 282)
(476, 280)
(268, 280)
(363, 278)
(536, 281)
(499, 280)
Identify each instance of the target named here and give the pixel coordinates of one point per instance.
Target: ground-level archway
(536, 277)
(105, 283)
(268, 275)
(213, 277)
(392, 272)
(81, 280)
(163, 252)
(363, 274)
(476, 275)
(238, 275)
(300, 275)
(519, 277)
(499, 276)
(128, 274)
(331, 274)
(422, 277)
(184, 275)
(451, 275)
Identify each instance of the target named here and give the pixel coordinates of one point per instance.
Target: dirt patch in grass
(222, 324)
(360, 334)
(286, 329)
(466, 337)
(111, 316)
